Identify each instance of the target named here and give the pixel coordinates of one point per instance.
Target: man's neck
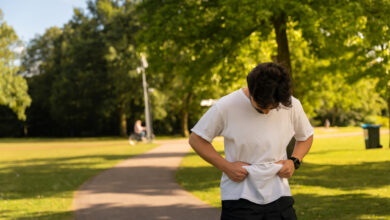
(246, 91)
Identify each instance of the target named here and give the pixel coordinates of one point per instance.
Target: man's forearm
(302, 148)
(207, 152)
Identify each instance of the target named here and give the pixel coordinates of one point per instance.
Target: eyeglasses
(261, 111)
(258, 110)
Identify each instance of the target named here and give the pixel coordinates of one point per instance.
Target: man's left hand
(287, 169)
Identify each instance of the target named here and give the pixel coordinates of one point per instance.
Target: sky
(31, 17)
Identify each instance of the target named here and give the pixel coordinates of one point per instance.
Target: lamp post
(146, 98)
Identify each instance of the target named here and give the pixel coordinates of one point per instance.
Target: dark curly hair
(270, 85)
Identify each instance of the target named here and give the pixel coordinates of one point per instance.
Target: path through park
(143, 188)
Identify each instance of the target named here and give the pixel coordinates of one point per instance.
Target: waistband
(278, 205)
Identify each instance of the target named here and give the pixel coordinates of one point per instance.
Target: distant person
(327, 123)
(139, 133)
(257, 124)
(139, 129)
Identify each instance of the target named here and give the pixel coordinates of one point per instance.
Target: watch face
(297, 164)
(296, 161)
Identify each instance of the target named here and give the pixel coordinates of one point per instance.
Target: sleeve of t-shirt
(210, 125)
(302, 127)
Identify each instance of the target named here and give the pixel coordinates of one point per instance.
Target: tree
(13, 87)
(83, 75)
(366, 49)
(188, 38)
(69, 78)
(41, 64)
(119, 26)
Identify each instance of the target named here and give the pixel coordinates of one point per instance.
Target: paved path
(142, 188)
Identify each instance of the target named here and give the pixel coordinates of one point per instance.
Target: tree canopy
(13, 87)
(191, 39)
(83, 78)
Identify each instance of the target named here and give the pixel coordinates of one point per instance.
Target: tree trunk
(280, 25)
(283, 56)
(334, 117)
(184, 123)
(122, 119)
(184, 115)
(25, 129)
(388, 107)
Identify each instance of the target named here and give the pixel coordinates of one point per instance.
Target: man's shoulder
(295, 101)
(296, 104)
(229, 99)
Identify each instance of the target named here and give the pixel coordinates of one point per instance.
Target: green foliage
(13, 87)
(84, 79)
(83, 75)
(210, 46)
(68, 77)
(343, 105)
(380, 120)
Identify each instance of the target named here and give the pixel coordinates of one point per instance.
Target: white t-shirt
(257, 139)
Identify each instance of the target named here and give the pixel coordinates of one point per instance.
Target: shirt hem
(254, 200)
(202, 135)
(305, 137)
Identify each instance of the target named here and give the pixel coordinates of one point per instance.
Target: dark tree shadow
(345, 177)
(341, 207)
(368, 175)
(56, 177)
(69, 215)
(108, 212)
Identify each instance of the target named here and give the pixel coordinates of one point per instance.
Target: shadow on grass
(308, 207)
(58, 161)
(345, 177)
(108, 211)
(351, 205)
(48, 215)
(341, 207)
(198, 178)
(57, 175)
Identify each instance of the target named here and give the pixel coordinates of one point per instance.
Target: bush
(384, 121)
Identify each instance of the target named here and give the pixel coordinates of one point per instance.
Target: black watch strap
(296, 161)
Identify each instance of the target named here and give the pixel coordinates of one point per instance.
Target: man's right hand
(236, 172)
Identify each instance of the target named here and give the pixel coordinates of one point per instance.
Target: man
(257, 124)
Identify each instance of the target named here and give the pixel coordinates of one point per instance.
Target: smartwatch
(296, 161)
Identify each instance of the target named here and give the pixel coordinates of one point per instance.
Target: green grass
(38, 177)
(338, 130)
(169, 137)
(339, 179)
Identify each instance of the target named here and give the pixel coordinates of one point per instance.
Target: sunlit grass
(339, 179)
(39, 176)
(339, 130)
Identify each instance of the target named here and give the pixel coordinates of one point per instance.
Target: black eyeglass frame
(258, 110)
(261, 111)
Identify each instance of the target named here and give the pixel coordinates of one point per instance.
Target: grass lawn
(39, 176)
(339, 130)
(339, 179)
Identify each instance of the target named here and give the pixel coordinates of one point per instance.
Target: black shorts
(242, 209)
